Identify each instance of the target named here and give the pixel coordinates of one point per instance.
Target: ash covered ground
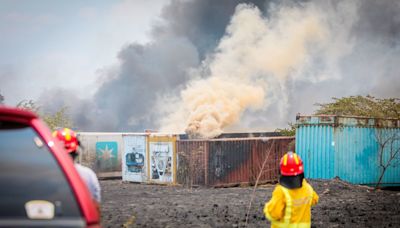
(141, 205)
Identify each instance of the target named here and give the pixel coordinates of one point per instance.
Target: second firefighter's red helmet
(291, 164)
(68, 138)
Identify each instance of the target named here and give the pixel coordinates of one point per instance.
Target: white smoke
(249, 67)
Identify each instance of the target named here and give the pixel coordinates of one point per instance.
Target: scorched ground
(141, 205)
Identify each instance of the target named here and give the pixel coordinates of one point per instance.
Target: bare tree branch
(258, 178)
(388, 148)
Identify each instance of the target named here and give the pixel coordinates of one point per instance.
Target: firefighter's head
(69, 139)
(292, 170)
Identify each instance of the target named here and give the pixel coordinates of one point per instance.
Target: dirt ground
(141, 205)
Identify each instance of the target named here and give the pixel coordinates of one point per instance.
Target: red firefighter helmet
(68, 138)
(291, 164)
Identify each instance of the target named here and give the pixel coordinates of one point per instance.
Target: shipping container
(101, 152)
(348, 148)
(192, 159)
(239, 135)
(134, 159)
(230, 161)
(161, 158)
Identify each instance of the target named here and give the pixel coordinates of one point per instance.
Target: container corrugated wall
(317, 152)
(222, 162)
(346, 147)
(274, 148)
(393, 174)
(101, 152)
(192, 160)
(233, 161)
(229, 161)
(357, 156)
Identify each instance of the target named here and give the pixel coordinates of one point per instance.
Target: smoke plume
(215, 66)
(253, 49)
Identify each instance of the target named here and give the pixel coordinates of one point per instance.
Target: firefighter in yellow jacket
(290, 205)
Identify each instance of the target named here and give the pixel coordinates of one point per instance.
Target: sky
(47, 44)
(198, 66)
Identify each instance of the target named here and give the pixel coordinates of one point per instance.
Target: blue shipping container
(348, 148)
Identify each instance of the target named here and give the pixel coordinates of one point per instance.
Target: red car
(39, 186)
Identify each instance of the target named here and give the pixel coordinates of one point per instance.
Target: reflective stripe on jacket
(291, 207)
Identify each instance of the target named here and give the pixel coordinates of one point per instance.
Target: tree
(367, 106)
(388, 150)
(53, 120)
(290, 131)
(58, 119)
(29, 105)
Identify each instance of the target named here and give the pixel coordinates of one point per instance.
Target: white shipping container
(162, 158)
(101, 152)
(134, 158)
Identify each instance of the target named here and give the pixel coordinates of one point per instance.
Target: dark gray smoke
(203, 23)
(128, 98)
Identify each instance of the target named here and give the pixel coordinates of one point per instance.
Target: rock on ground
(141, 205)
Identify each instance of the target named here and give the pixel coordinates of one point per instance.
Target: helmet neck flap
(291, 182)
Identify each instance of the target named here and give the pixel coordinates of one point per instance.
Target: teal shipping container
(349, 148)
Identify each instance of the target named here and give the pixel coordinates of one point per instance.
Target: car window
(30, 173)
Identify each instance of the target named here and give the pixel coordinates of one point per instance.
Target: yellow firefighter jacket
(291, 207)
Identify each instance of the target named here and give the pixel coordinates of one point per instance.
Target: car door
(34, 191)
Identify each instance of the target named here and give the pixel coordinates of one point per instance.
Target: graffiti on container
(134, 161)
(106, 155)
(218, 163)
(161, 162)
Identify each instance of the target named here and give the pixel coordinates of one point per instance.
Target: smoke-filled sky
(199, 66)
